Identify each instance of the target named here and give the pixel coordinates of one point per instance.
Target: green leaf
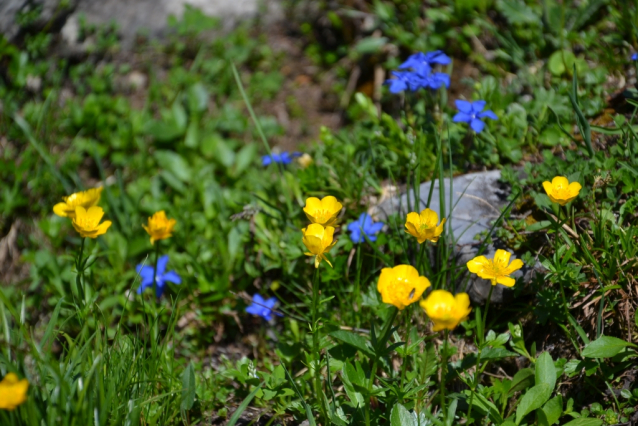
(605, 347)
(545, 371)
(496, 353)
(400, 416)
(370, 45)
(188, 388)
(352, 339)
(522, 380)
(533, 399)
(584, 422)
(174, 163)
(552, 410)
(242, 407)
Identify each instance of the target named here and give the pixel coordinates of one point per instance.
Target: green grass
(190, 142)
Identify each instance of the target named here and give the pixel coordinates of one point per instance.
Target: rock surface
(477, 201)
(132, 16)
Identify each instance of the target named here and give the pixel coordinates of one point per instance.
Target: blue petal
(397, 86)
(487, 114)
(146, 274)
(372, 237)
(634, 57)
(462, 117)
(356, 236)
(438, 57)
(441, 78)
(352, 226)
(463, 106)
(161, 265)
(258, 299)
(365, 220)
(143, 286)
(271, 302)
(253, 309)
(477, 125)
(413, 61)
(172, 277)
(374, 228)
(478, 106)
(159, 290)
(266, 160)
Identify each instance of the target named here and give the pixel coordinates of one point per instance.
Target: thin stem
(404, 366)
(357, 287)
(443, 374)
(80, 271)
(157, 250)
(487, 307)
(477, 373)
(316, 355)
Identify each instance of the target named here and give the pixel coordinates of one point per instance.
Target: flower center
(423, 227)
(322, 215)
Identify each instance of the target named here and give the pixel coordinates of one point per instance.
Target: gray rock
(131, 16)
(52, 14)
(476, 202)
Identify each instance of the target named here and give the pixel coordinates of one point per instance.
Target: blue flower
(283, 158)
(472, 113)
(634, 57)
(404, 80)
(422, 62)
(147, 272)
(435, 80)
(364, 226)
(262, 307)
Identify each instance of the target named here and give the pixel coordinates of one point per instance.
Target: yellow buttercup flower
(13, 392)
(87, 222)
(423, 226)
(84, 199)
(318, 241)
(323, 212)
(561, 191)
(401, 285)
(159, 226)
(446, 310)
(497, 270)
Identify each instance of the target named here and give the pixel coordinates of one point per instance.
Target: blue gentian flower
(147, 272)
(364, 226)
(472, 113)
(404, 80)
(422, 62)
(263, 308)
(634, 57)
(435, 80)
(283, 158)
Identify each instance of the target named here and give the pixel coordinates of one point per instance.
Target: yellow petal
(477, 264)
(331, 204)
(61, 209)
(574, 189)
(327, 237)
(548, 187)
(429, 217)
(502, 257)
(514, 266)
(506, 281)
(560, 182)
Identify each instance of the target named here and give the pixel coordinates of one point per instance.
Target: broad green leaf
(174, 163)
(552, 410)
(545, 371)
(487, 406)
(400, 416)
(352, 339)
(523, 379)
(605, 347)
(533, 399)
(496, 353)
(188, 388)
(584, 422)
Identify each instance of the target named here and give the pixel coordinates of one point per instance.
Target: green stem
(316, 355)
(477, 374)
(80, 271)
(443, 374)
(404, 366)
(157, 250)
(357, 287)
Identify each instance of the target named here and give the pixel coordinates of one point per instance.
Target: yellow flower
(305, 160)
(446, 310)
(423, 226)
(561, 191)
(401, 285)
(318, 241)
(496, 270)
(87, 222)
(13, 392)
(159, 226)
(84, 199)
(323, 212)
